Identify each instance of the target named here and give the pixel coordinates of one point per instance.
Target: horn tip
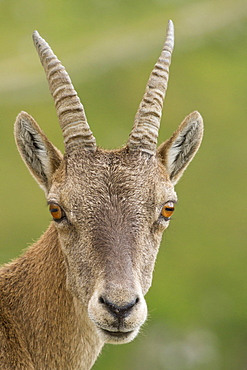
(170, 28)
(36, 38)
(35, 34)
(169, 42)
(170, 23)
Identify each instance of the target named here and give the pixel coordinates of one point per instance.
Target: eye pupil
(167, 210)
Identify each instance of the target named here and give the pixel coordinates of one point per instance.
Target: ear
(37, 152)
(178, 151)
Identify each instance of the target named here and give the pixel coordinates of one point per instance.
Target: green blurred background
(198, 301)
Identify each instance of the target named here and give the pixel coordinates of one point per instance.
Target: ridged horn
(70, 111)
(144, 133)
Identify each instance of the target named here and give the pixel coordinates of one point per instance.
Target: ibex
(82, 284)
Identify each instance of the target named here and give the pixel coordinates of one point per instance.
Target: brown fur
(43, 329)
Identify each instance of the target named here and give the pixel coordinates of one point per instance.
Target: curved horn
(69, 109)
(144, 133)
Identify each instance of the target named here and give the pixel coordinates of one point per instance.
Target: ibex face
(110, 232)
(109, 207)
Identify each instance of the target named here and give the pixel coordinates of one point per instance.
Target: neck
(54, 325)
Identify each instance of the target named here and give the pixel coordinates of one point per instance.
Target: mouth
(118, 336)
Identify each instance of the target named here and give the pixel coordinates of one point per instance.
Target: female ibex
(83, 283)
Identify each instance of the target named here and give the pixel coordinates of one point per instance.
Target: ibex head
(110, 208)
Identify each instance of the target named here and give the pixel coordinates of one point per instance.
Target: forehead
(115, 167)
(114, 172)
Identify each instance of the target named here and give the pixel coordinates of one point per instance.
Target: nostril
(101, 300)
(120, 311)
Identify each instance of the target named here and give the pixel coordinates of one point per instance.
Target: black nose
(119, 312)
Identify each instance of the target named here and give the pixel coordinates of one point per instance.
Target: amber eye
(56, 211)
(167, 210)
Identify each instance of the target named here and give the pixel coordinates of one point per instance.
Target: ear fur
(178, 151)
(38, 153)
